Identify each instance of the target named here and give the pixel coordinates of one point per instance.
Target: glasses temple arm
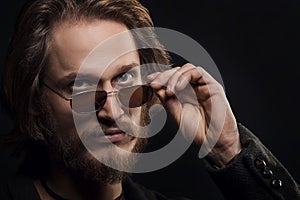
(57, 93)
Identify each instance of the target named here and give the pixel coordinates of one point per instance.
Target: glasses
(131, 97)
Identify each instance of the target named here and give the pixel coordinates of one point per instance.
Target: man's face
(70, 45)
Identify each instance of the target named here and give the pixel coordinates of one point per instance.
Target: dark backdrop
(255, 46)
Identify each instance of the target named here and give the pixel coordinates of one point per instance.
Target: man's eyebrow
(126, 68)
(72, 76)
(62, 80)
(68, 77)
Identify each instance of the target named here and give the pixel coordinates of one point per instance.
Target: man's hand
(208, 113)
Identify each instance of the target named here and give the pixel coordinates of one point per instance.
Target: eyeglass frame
(110, 93)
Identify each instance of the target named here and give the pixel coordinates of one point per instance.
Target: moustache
(124, 126)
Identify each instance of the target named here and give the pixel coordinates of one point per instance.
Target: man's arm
(244, 167)
(254, 174)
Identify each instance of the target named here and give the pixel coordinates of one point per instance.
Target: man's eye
(81, 85)
(125, 78)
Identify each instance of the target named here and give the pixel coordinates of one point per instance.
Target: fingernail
(169, 91)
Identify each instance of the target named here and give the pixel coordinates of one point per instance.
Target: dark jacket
(255, 175)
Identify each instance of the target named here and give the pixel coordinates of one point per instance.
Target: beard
(69, 153)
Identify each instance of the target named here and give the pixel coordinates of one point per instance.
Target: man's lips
(111, 136)
(114, 135)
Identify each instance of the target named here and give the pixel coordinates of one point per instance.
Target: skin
(72, 42)
(209, 93)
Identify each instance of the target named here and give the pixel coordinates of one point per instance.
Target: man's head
(51, 41)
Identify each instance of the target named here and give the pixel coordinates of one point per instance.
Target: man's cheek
(135, 115)
(83, 123)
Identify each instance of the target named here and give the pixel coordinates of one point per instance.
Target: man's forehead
(121, 64)
(91, 48)
(118, 51)
(86, 33)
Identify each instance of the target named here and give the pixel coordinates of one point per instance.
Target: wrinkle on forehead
(111, 52)
(71, 43)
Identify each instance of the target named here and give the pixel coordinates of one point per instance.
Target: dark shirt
(20, 188)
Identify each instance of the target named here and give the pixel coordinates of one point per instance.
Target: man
(49, 84)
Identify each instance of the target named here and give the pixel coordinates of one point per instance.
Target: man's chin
(120, 156)
(105, 165)
(87, 168)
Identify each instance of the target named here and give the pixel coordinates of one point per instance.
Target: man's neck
(68, 187)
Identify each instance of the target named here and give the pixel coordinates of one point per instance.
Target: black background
(255, 45)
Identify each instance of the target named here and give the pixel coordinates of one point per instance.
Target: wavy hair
(30, 45)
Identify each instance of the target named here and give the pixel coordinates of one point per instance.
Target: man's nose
(111, 109)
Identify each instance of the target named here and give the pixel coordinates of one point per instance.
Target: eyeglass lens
(131, 97)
